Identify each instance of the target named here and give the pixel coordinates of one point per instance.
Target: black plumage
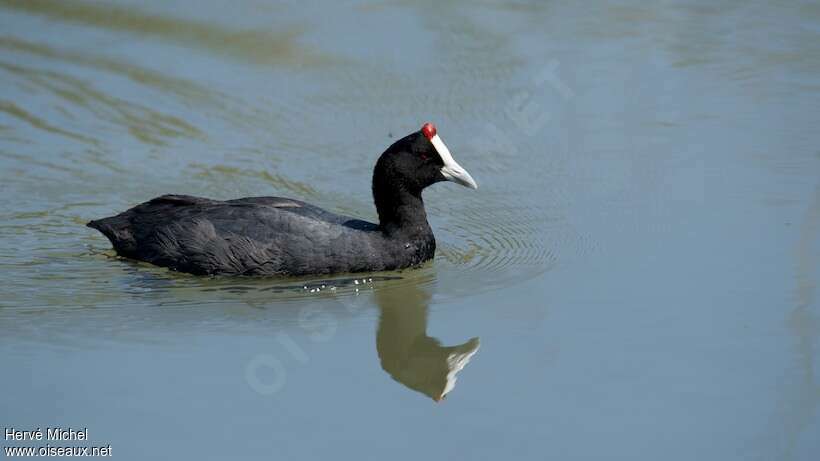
(281, 236)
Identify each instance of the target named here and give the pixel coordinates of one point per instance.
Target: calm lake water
(635, 278)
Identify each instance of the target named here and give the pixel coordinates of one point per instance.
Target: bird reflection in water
(407, 353)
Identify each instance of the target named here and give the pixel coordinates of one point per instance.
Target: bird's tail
(118, 230)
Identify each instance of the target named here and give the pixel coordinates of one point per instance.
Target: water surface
(635, 277)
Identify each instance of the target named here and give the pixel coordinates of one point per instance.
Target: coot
(282, 236)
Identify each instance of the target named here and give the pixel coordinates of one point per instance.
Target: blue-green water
(635, 278)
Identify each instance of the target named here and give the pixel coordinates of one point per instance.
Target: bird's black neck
(401, 212)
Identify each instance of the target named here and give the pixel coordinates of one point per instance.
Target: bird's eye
(424, 156)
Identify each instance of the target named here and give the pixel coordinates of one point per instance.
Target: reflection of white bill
(457, 361)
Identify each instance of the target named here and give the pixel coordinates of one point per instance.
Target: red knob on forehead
(429, 130)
